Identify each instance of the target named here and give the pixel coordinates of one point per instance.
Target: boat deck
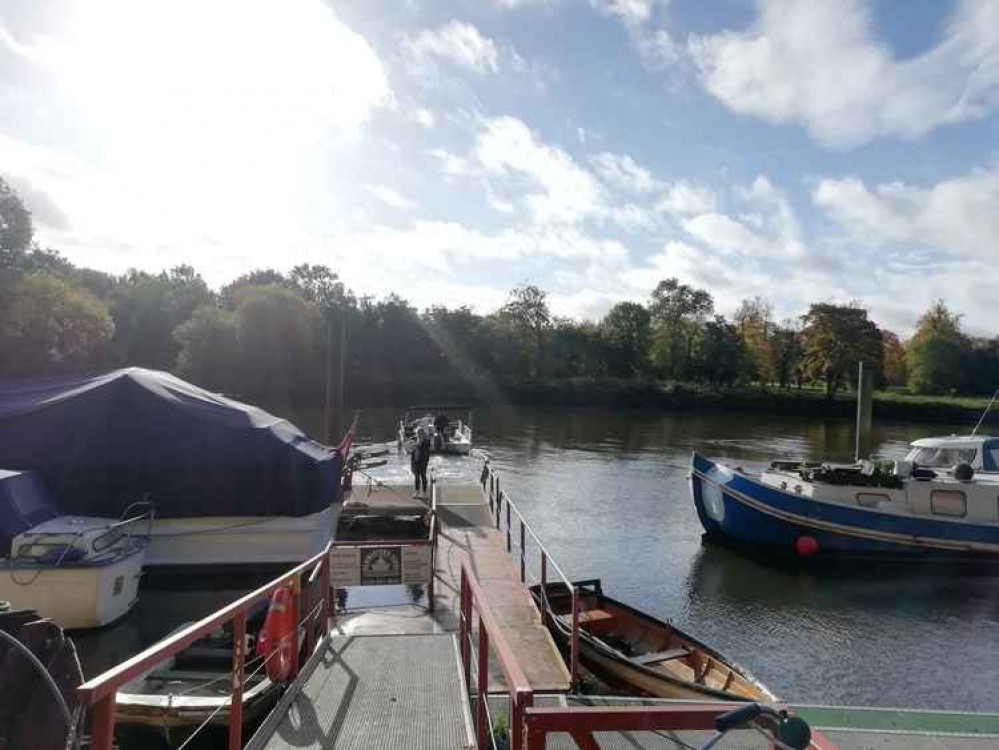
(375, 692)
(467, 533)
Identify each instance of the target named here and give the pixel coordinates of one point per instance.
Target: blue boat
(940, 501)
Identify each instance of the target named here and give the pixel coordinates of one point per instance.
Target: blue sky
(802, 150)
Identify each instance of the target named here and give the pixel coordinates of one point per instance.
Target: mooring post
(509, 547)
(523, 555)
(238, 660)
(574, 648)
(865, 409)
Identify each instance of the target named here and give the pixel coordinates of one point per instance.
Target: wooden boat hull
(694, 670)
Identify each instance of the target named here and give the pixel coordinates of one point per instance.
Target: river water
(607, 492)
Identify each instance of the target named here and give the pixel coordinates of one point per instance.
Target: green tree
(934, 354)
(53, 326)
(722, 353)
(834, 339)
(148, 307)
(208, 354)
(626, 328)
(576, 349)
(16, 230)
(257, 277)
(274, 334)
(786, 347)
(678, 312)
(526, 312)
(317, 284)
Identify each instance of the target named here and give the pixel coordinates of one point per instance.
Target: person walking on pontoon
(419, 459)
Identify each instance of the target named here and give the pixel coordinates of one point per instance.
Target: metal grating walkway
(378, 692)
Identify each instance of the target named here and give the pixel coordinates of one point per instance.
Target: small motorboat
(78, 571)
(195, 686)
(449, 428)
(620, 644)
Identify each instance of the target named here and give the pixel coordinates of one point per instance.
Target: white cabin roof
(951, 441)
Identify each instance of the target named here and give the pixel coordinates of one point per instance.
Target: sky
(800, 150)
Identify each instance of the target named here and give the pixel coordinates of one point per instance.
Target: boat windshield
(942, 458)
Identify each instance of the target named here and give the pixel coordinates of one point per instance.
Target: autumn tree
(753, 320)
(785, 343)
(895, 370)
(722, 353)
(933, 356)
(834, 339)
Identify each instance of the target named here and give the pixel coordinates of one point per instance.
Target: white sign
(379, 566)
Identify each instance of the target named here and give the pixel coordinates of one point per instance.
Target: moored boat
(624, 645)
(231, 484)
(449, 428)
(192, 688)
(79, 571)
(939, 501)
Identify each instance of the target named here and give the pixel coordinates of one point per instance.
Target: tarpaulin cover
(103, 442)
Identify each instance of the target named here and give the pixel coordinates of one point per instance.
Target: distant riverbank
(655, 395)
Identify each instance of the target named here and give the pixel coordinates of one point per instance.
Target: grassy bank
(655, 395)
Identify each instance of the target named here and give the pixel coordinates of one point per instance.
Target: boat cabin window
(871, 499)
(942, 458)
(948, 503)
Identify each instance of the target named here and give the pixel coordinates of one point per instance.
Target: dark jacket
(420, 456)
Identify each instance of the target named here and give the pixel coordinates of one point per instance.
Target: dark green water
(607, 491)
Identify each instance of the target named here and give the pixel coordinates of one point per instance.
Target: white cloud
(423, 116)
(957, 215)
(457, 42)
(621, 171)
(451, 165)
(389, 197)
(560, 190)
(685, 198)
(818, 63)
(629, 11)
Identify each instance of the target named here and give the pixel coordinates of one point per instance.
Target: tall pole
(865, 407)
(343, 368)
(329, 375)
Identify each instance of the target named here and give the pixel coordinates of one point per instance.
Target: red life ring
(277, 637)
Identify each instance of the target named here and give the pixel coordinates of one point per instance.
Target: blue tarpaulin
(102, 442)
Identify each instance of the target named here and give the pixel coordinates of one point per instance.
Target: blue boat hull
(735, 509)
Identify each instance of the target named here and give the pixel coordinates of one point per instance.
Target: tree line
(269, 333)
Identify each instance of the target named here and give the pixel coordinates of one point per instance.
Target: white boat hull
(237, 541)
(75, 597)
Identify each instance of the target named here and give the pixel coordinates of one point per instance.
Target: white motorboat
(234, 488)
(79, 571)
(448, 427)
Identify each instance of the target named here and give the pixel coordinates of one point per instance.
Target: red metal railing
(499, 501)
(99, 692)
(582, 721)
(490, 635)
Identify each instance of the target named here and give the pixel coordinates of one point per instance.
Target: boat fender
(963, 472)
(806, 546)
(277, 637)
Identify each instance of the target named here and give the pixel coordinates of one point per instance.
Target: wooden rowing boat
(620, 644)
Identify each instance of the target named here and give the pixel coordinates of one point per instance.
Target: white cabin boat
(79, 571)
(448, 427)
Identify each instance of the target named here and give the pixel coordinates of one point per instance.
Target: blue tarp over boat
(103, 442)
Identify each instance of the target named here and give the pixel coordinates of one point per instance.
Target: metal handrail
(99, 692)
(496, 498)
(521, 693)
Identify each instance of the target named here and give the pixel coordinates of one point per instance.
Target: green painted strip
(899, 720)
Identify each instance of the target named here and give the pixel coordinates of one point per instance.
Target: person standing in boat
(419, 459)
(440, 427)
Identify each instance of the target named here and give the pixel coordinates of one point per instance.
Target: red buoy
(277, 637)
(806, 546)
